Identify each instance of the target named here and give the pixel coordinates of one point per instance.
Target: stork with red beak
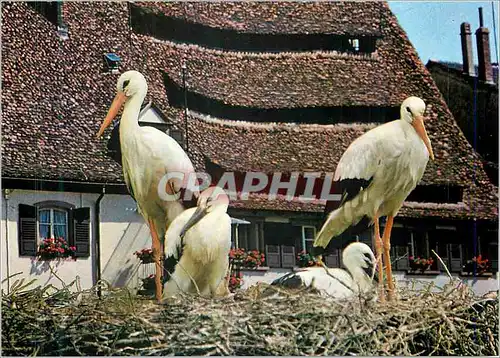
(375, 175)
(148, 155)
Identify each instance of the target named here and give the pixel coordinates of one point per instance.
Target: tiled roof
(55, 100)
(458, 67)
(278, 17)
(54, 92)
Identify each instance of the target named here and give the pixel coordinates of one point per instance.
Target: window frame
(51, 221)
(304, 239)
(54, 205)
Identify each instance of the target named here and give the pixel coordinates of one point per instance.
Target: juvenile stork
(200, 240)
(376, 174)
(148, 155)
(359, 261)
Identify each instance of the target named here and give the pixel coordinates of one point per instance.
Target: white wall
(480, 285)
(122, 232)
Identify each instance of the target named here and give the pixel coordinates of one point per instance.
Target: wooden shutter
(288, 256)
(273, 258)
(27, 230)
(81, 231)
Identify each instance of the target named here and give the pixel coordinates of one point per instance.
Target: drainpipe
(6, 194)
(97, 247)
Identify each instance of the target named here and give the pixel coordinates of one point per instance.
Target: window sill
(425, 273)
(260, 268)
(470, 274)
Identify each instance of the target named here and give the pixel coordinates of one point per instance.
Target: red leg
(387, 255)
(378, 253)
(156, 257)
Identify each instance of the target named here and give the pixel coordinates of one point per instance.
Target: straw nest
(48, 321)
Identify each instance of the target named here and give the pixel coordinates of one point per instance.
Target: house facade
(275, 89)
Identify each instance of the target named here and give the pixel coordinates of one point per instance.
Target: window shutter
(27, 230)
(288, 256)
(81, 231)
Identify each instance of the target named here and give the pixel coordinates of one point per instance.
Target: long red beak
(118, 102)
(418, 124)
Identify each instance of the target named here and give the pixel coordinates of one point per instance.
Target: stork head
(129, 84)
(210, 200)
(412, 111)
(358, 256)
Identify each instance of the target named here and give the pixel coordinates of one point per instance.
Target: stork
(200, 239)
(148, 154)
(360, 263)
(376, 174)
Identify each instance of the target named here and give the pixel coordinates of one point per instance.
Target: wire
(494, 28)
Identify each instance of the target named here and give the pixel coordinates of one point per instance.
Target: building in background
(471, 93)
(273, 88)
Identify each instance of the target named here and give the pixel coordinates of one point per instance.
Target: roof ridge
(278, 125)
(264, 55)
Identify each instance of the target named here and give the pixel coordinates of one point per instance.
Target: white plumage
(148, 154)
(359, 260)
(376, 174)
(201, 236)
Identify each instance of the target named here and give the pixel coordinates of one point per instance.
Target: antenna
(494, 28)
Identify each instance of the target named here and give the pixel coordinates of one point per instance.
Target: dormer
(111, 62)
(52, 11)
(152, 116)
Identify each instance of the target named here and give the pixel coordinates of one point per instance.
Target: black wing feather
(348, 189)
(290, 280)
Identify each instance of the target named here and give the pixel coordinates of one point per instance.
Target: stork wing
(166, 150)
(364, 157)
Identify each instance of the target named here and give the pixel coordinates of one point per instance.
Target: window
(53, 219)
(354, 44)
(53, 222)
(308, 235)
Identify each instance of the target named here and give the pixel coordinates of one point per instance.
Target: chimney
(483, 51)
(467, 60)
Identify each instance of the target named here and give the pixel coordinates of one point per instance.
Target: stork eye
(408, 109)
(125, 84)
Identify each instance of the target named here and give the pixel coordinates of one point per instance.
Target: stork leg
(378, 253)
(387, 255)
(156, 257)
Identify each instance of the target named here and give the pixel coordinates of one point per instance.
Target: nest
(48, 321)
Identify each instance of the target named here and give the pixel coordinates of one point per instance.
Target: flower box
(55, 249)
(305, 259)
(145, 255)
(477, 266)
(420, 264)
(235, 281)
(239, 258)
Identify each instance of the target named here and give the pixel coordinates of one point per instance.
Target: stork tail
(337, 222)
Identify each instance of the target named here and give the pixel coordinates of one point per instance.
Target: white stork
(148, 155)
(200, 239)
(376, 174)
(360, 262)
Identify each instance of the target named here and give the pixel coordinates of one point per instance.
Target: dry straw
(49, 321)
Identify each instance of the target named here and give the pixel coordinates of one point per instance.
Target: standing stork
(376, 174)
(148, 155)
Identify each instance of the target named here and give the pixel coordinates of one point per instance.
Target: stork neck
(360, 278)
(130, 116)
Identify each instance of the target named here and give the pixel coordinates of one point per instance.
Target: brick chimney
(483, 51)
(467, 59)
